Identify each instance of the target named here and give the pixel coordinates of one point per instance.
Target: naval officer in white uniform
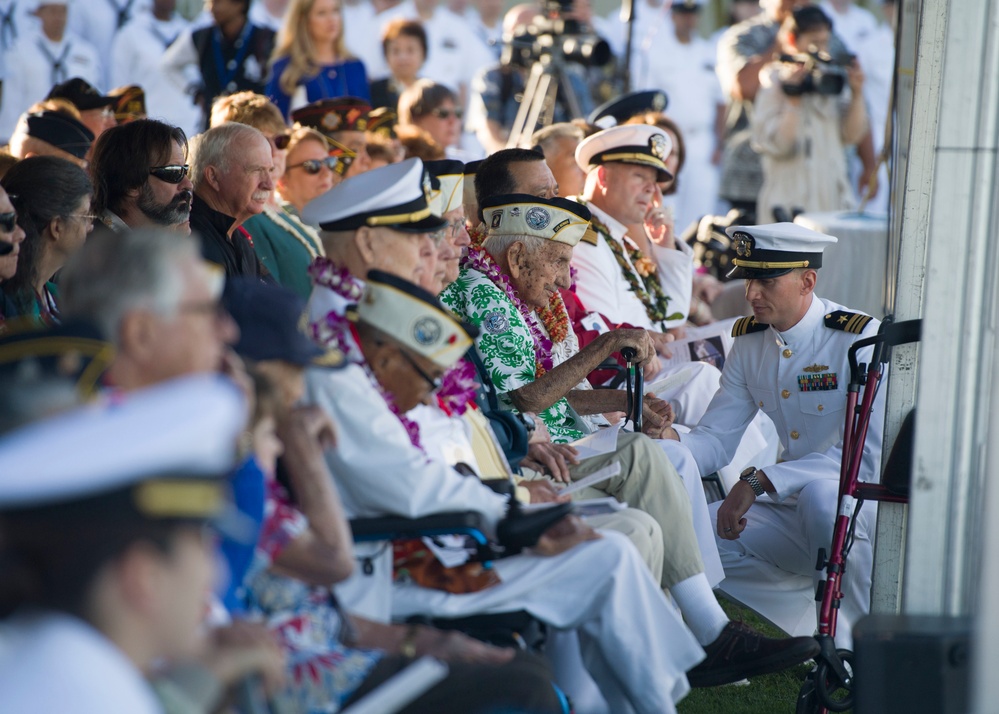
(789, 361)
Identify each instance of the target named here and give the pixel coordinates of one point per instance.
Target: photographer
(808, 110)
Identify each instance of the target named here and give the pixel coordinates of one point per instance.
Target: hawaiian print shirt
(505, 344)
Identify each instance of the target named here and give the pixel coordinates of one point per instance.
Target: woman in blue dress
(311, 61)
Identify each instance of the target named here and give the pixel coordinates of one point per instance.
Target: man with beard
(140, 177)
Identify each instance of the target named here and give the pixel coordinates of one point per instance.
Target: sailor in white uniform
(790, 362)
(99, 21)
(42, 58)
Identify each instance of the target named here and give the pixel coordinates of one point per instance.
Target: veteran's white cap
(450, 192)
(396, 196)
(773, 249)
(641, 144)
(171, 444)
(414, 317)
(517, 214)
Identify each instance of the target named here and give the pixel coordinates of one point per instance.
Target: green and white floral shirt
(505, 344)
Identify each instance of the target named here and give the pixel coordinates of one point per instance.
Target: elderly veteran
(634, 644)
(380, 220)
(789, 362)
(525, 259)
(51, 133)
(447, 195)
(107, 563)
(343, 121)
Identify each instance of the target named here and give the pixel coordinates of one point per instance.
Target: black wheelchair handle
(629, 354)
(521, 530)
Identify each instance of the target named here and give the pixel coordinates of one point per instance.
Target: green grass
(768, 694)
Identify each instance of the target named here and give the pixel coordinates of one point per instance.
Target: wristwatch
(749, 476)
(529, 423)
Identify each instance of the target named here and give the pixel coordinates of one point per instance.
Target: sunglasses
(174, 173)
(448, 113)
(314, 166)
(281, 141)
(8, 221)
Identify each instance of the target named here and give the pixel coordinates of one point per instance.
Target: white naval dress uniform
(15, 20)
(135, 59)
(633, 644)
(57, 663)
(34, 64)
(775, 373)
(98, 21)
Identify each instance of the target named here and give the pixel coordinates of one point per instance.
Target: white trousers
(632, 642)
(771, 566)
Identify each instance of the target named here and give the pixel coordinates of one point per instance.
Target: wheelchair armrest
(467, 523)
(620, 373)
(521, 529)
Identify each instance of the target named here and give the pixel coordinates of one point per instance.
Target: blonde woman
(311, 61)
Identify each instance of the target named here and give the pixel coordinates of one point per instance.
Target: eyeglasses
(314, 166)
(211, 308)
(8, 221)
(174, 173)
(455, 227)
(88, 218)
(447, 113)
(281, 141)
(435, 384)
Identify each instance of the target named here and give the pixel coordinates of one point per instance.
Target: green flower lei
(648, 288)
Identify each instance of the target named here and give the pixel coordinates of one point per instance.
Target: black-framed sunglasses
(447, 113)
(435, 384)
(8, 221)
(174, 173)
(281, 141)
(314, 166)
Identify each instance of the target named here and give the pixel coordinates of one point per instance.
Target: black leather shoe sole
(796, 651)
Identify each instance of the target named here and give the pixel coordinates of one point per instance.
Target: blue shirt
(340, 79)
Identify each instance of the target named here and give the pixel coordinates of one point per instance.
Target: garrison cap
(451, 190)
(382, 121)
(640, 144)
(621, 109)
(773, 249)
(169, 447)
(271, 320)
(413, 317)
(329, 116)
(62, 131)
(396, 196)
(129, 103)
(518, 214)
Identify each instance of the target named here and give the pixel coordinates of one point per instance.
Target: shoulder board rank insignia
(591, 236)
(854, 322)
(747, 325)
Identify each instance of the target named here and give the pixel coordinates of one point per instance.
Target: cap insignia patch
(495, 322)
(331, 121)
(743, 244)
(657, 142)
(426, 331)
(515, 211)
(659, 102)
(537, 218)
(497, 218)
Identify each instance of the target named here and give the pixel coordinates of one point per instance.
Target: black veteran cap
(62, 131)
(271, 322)
(630, 144)
(129, 103)
(329, 116)
(81, 93)
(382, 121)
(773, 249)
(397, 196)
(621, 109)
(555, 219)
(413, 317)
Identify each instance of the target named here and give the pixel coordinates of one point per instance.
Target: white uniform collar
(618, 230)
(806, 325)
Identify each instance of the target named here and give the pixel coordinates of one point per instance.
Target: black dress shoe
(740, 652)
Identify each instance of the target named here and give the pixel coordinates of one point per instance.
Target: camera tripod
(547, 78)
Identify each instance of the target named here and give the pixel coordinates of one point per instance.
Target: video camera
(823, 75)
(551, 31)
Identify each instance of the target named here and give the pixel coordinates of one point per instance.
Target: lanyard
(226, 71)
(8, 30)
(123, 11)
(59, 73)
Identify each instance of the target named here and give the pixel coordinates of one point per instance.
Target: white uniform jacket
(602, 287)
(57, 663)
(799, 379)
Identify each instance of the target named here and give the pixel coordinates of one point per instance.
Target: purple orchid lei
(479, 259)
(458, 387)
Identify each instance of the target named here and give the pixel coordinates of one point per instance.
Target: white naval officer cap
(449, 194)
(168, 447)
(396, 196)
(773, 249)
(520, 214)
(413, 317)
(641, 144)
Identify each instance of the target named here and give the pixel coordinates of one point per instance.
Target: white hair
(497, 246)
(219, 147)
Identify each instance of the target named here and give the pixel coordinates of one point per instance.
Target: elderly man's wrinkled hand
(564, 535)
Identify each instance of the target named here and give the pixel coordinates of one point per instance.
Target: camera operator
(807, 111)
(498, 90)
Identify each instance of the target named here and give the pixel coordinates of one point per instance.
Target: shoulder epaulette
(854, 322)
(747, 325)
(591, 236)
